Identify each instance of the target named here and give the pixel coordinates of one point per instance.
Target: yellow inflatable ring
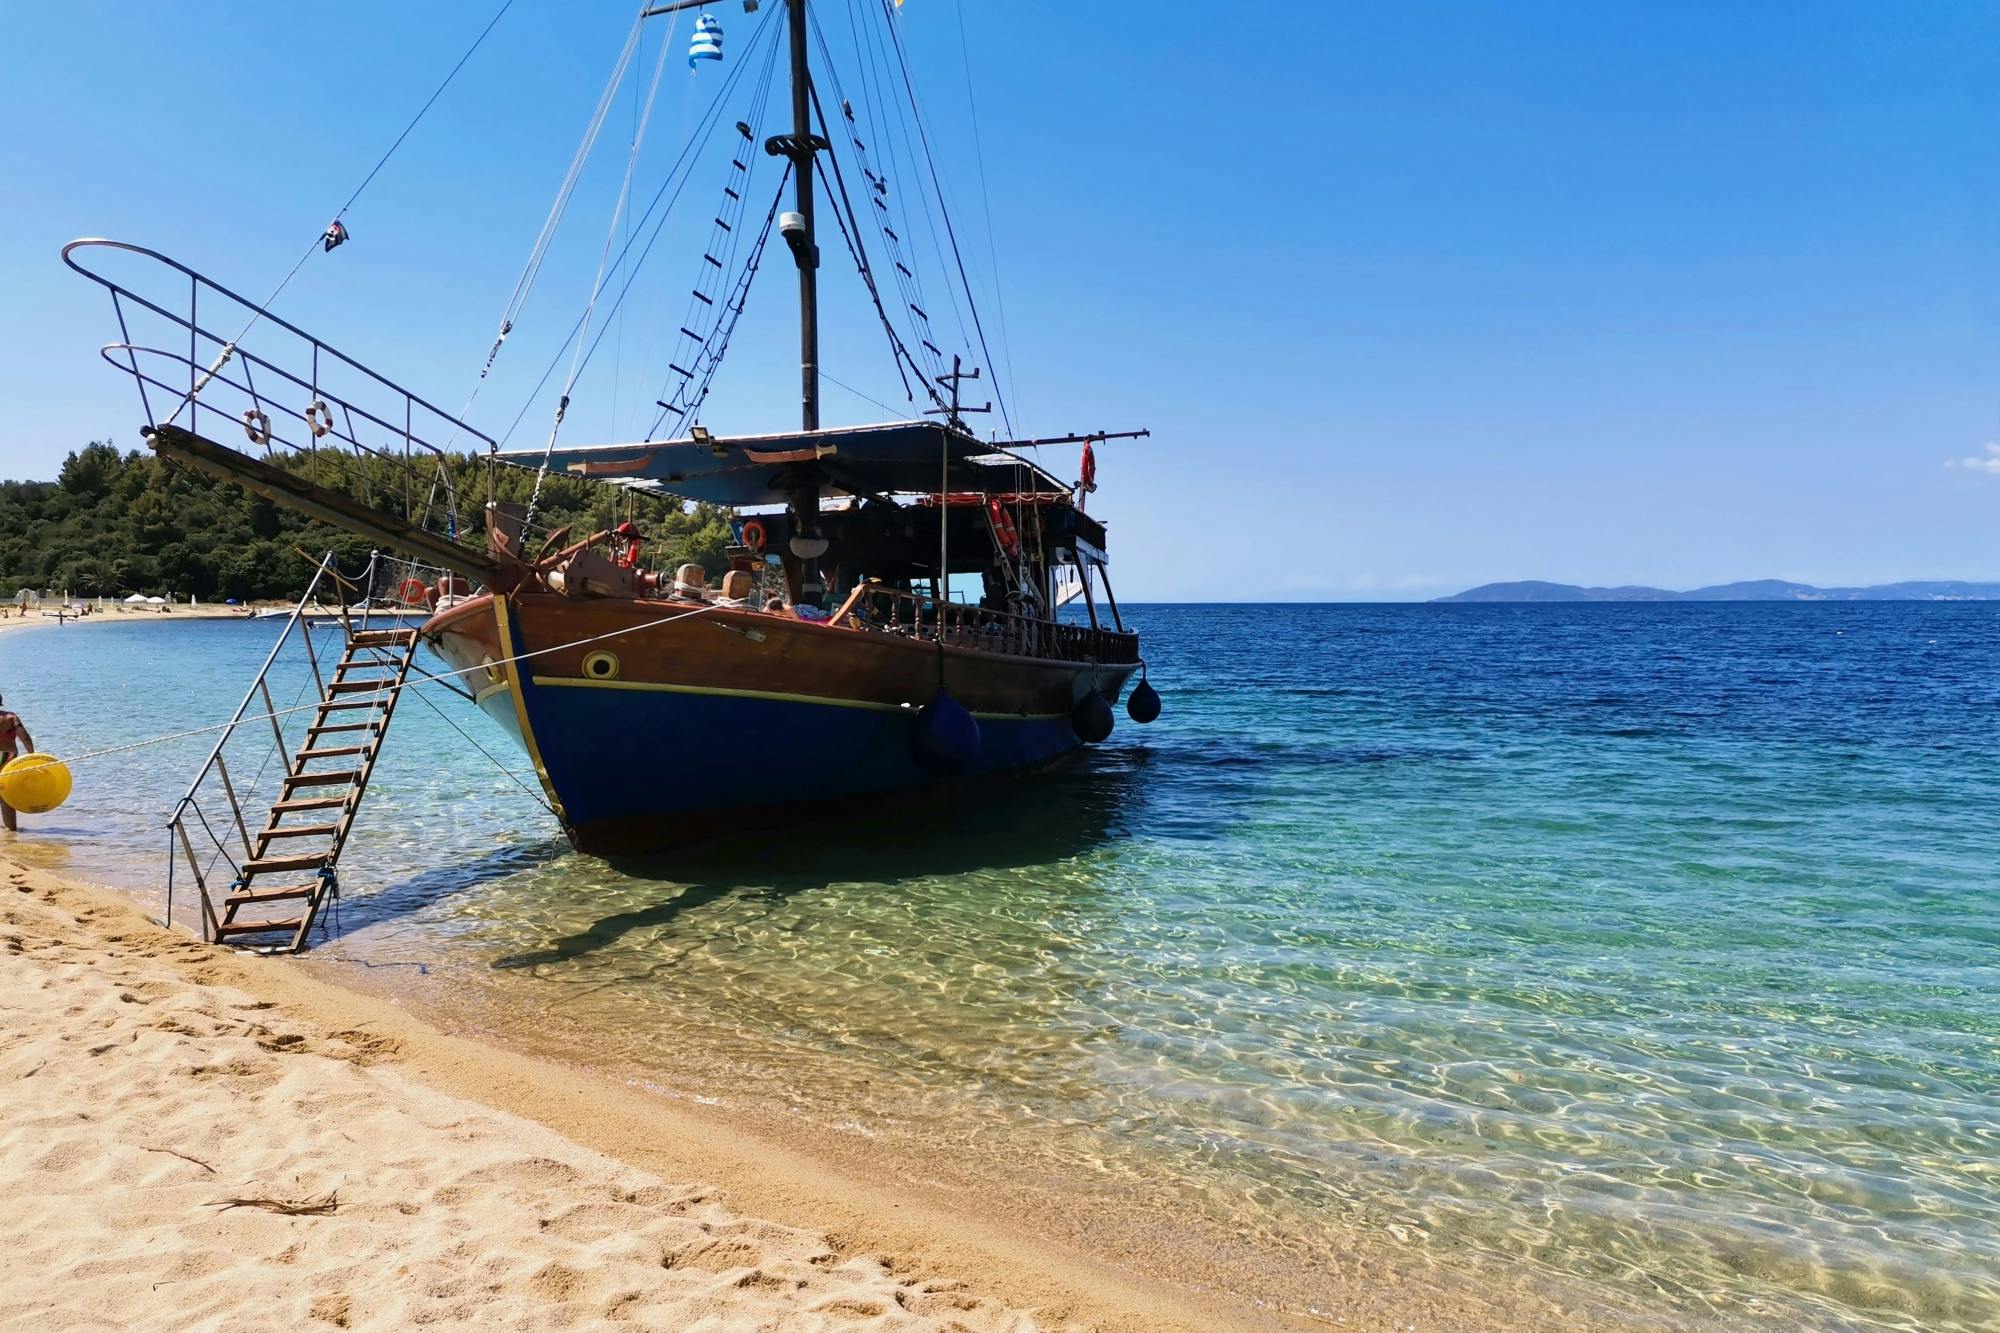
(34, 783)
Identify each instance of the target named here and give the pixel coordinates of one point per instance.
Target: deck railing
(957, 625)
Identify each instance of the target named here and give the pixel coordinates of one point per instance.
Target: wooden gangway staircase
(284, 873)
(290, 875)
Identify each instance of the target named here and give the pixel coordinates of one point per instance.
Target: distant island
(1753, 590)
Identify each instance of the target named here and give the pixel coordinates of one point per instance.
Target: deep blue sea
(1648, 951)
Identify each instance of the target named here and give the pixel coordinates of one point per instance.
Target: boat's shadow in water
(1009, 825)
(1040, 821)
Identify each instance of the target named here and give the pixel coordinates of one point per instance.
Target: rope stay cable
(843, 384)
(986, 206)
(944, 210)
(558, 207)
(367, 696)
(597, 283)
(675, 181)
(902, 138)
(468, 738)
(908, 284)
(324, 242)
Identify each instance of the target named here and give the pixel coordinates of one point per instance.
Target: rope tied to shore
(212, 728)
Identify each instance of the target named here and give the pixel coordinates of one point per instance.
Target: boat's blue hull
(636, 769)
(669, 729)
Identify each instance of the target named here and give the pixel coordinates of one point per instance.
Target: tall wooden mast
(805, 247)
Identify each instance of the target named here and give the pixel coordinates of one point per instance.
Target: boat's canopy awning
(898, 457)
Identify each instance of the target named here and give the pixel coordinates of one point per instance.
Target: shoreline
(1021, 1275)
(117, 616)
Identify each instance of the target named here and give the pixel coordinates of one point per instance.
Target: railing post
(200, 882)
(312, 654)
(235, 806)
(271, 712)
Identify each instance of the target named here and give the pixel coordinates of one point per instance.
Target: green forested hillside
(115, 523)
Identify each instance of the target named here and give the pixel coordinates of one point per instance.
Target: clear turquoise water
(1645, 949)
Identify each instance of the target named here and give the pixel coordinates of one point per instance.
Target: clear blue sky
(1412, 297)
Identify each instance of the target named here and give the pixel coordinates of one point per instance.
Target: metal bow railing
(293, 394)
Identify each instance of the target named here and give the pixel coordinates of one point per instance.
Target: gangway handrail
(190, 801)
(270, 659)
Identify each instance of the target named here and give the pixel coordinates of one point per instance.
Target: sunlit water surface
(1654, 949)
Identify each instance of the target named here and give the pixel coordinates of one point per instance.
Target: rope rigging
(852, 236)
(597, 284)
(937, 184)
(908, 285)
(710, 354)
(538, 253)
(710, 315)
(873, 68)
(986, 206)
(675, 181)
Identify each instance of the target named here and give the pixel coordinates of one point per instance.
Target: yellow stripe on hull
(521, 707)
(582, 683)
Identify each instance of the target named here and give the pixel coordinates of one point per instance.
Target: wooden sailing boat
(830, 668)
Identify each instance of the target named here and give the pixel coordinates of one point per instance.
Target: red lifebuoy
(1089, 467)
(754, 535)
(413, 592)
(1003, 526)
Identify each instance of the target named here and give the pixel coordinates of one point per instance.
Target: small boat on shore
(888, 619)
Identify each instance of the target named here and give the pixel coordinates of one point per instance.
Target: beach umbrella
(156, 601)
(135, 597)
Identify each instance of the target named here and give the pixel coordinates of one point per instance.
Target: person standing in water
(14, 739)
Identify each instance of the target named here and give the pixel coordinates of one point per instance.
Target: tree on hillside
(116, 523)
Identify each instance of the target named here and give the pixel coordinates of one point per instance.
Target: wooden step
(356, 686)
(266, 865)
(290, 925)
(271, 895)
(317, 727)
(329, 705)
(300, 831)
(331, 752)
(364, 638)
(346, 776)
(365, 660)
(309, 803)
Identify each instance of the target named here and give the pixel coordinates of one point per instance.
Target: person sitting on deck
(14, 738)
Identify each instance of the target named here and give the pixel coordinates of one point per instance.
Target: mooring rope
(360, 696)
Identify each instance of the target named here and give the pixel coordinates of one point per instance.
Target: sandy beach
(192, 1136)
(178, 1150)
(119, 615)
